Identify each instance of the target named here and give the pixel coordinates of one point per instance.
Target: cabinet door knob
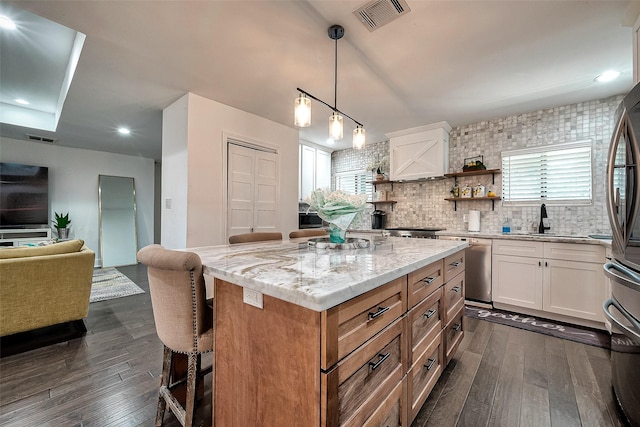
(456, 289)
(381, 311)
(456, 264)
(457, 326)
(375, 365)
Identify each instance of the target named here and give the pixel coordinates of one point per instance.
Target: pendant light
(358, 137)
(302, 112)
(302, 104)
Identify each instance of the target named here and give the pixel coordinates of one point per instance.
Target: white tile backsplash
(422, 204)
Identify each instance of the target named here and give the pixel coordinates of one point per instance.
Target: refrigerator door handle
(613, 194)
(633, 283)
(634, 334)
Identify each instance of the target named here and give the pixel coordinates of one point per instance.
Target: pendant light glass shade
(335, 126)
(358, 137)
(302, 111)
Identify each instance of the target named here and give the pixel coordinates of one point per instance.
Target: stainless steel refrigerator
(623, 205)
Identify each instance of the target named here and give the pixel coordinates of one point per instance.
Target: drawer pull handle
(457, 326)
(456, 289)
(381, 310)
(430, 364)
(374, 365)
(429, 313)
(456, 264)
(429, 280)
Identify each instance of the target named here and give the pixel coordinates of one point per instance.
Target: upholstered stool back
(183, 320)
(255, 237)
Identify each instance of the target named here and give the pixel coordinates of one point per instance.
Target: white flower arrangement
(378, 165)
(337, 207)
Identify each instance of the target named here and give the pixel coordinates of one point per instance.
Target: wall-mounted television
(24, 196)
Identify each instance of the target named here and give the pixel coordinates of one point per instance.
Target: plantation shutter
(558, 175)
(355, 182)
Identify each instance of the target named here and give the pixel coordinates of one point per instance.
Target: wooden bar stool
(184, 323)
(255, 237)
(309, 232)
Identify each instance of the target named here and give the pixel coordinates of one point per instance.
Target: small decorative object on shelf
(61, 223)
(338, 208)
(473, 164)
(378, 167)
(465, 192)
(478, 190)
(455, 191)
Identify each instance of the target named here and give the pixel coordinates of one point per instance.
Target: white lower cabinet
(561, 278)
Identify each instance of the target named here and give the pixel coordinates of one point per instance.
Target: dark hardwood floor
(500, 376)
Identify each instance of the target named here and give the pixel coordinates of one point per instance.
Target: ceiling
(457, 61)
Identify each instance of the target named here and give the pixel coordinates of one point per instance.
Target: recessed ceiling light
(124, 131)
(21, 101)
(607, 76)
(7, 23)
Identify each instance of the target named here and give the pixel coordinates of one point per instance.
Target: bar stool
(184, 323)
(255, 237)
(309, 232)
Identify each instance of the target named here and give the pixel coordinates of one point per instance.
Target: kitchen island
(309, 336)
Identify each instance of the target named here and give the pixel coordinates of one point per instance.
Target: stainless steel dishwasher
(478, 269)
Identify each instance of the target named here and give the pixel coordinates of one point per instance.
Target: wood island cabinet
(370, 361)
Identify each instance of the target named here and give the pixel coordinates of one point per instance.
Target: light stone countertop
(532, 237)
(319, 279)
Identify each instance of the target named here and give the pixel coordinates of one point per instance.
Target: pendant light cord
(335, 78)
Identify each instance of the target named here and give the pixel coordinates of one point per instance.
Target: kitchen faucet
(543, 224)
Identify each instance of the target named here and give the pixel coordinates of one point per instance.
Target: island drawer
(424, 281)
(392, 411)
(350, 324)
(424, 323)
(453, 265)
(355, 388)
(453, 296)
(423, 375)
(453, 334)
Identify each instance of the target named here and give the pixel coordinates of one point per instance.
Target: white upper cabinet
(315, 170)
(420, 152)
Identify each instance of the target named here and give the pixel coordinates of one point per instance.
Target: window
(561, 174)
(355, 182)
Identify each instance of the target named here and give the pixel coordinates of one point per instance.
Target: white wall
(73, 184)
(173, 202)
(197, 128)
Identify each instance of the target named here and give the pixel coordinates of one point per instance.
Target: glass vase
(336, 234)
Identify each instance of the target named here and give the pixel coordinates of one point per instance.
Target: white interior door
(252, 190)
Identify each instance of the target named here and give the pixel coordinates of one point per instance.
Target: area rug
(556, 329)
(109, 283)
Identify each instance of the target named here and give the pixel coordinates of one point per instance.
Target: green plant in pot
(61, 223)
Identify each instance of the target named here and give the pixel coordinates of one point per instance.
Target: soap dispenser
(506, 226)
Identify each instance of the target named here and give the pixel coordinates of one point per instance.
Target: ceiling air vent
(38, 138)
(377, 13)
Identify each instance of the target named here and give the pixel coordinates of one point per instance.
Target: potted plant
(61, 223)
